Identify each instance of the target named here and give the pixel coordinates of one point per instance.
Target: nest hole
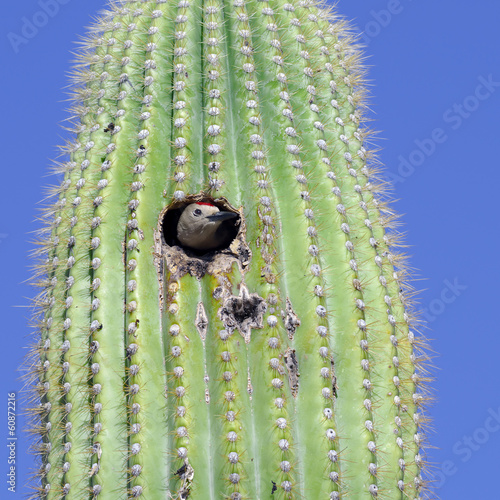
(172, 214)
(182, 259)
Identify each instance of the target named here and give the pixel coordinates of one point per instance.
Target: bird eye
(197, 212)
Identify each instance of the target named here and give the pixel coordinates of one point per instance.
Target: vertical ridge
(124, 82)
(187, 136)
(148, 462)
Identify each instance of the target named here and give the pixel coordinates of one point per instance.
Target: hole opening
(170, 220)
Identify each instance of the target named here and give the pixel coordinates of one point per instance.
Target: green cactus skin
(148, 385)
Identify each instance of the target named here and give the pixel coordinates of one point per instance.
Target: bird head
(201, 226)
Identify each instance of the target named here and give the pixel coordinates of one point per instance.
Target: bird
(203, 227)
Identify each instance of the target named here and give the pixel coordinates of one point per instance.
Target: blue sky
(435, 81)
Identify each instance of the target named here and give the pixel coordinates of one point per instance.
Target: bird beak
(220, 216)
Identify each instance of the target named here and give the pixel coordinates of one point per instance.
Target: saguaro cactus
(282, 366)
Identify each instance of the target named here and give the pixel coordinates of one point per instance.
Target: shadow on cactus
(266, 352)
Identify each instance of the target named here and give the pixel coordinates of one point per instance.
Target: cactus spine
(281, 367)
